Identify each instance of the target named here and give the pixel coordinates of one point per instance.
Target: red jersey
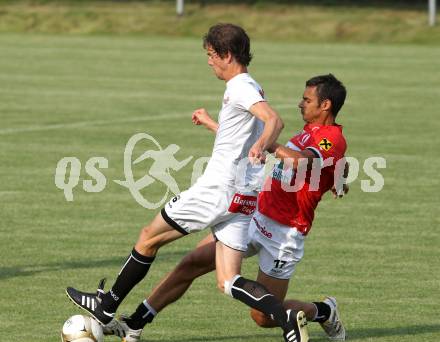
(296, 208)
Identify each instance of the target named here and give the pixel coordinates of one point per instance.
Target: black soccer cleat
(297, 331)
(91, 302)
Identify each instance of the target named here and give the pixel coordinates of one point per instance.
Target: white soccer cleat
(333, 327)
(298, 332)
(119, 327)
(302, 326)
(114, 328)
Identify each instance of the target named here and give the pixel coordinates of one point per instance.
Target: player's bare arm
(283, 152)
(201, 117)
(273, 126)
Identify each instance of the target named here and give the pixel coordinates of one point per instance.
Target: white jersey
(237, 132)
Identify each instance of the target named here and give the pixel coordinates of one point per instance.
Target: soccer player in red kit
(294, 205)
(311, 163)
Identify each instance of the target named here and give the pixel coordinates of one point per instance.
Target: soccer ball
(80, 328)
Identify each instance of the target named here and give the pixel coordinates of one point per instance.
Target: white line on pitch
(90, 123)
(79, 124)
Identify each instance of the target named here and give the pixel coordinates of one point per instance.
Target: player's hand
(341, 193)
(201, 117)
(256, 155)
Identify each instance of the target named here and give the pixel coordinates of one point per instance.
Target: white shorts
(203, 206)
(279, 247)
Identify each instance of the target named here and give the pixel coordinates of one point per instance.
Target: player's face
(218, 64)
(310, 108)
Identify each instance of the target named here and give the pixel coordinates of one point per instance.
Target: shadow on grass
(216, 338)
(30, 270)
(361, 334)
(352, 334)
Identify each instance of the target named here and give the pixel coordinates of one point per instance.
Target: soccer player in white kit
(247, 127)
(282, 221)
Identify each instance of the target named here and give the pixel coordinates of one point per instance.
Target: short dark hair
(224, 38)
(328, 87)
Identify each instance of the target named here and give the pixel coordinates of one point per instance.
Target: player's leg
(278, 287)
(331, 322)
(157, 234)
(315, 312)
(325, 312)
(195, 264)
(103, 305)
(192, 210)
(275, 261)
(228, 264)
(260, 298)
(279, 249)
(255, 295)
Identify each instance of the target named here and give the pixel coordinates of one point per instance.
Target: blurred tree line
(356, 3)
(375, 3)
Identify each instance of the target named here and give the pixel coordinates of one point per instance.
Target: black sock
(323, 312)
(133, 271)
(144, 314)
(256, 296)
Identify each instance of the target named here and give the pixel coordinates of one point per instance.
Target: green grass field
(86, 96)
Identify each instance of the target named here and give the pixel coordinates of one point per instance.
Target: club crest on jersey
(304, 139)
(325, 144)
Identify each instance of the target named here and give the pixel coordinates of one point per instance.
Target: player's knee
(145, 236)
(146, 243)
(190, 267)
(261, 319)
(221, 286)
(188, 262)
(196, 263)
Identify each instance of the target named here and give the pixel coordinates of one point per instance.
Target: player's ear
(326, 105)
(229, 57)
